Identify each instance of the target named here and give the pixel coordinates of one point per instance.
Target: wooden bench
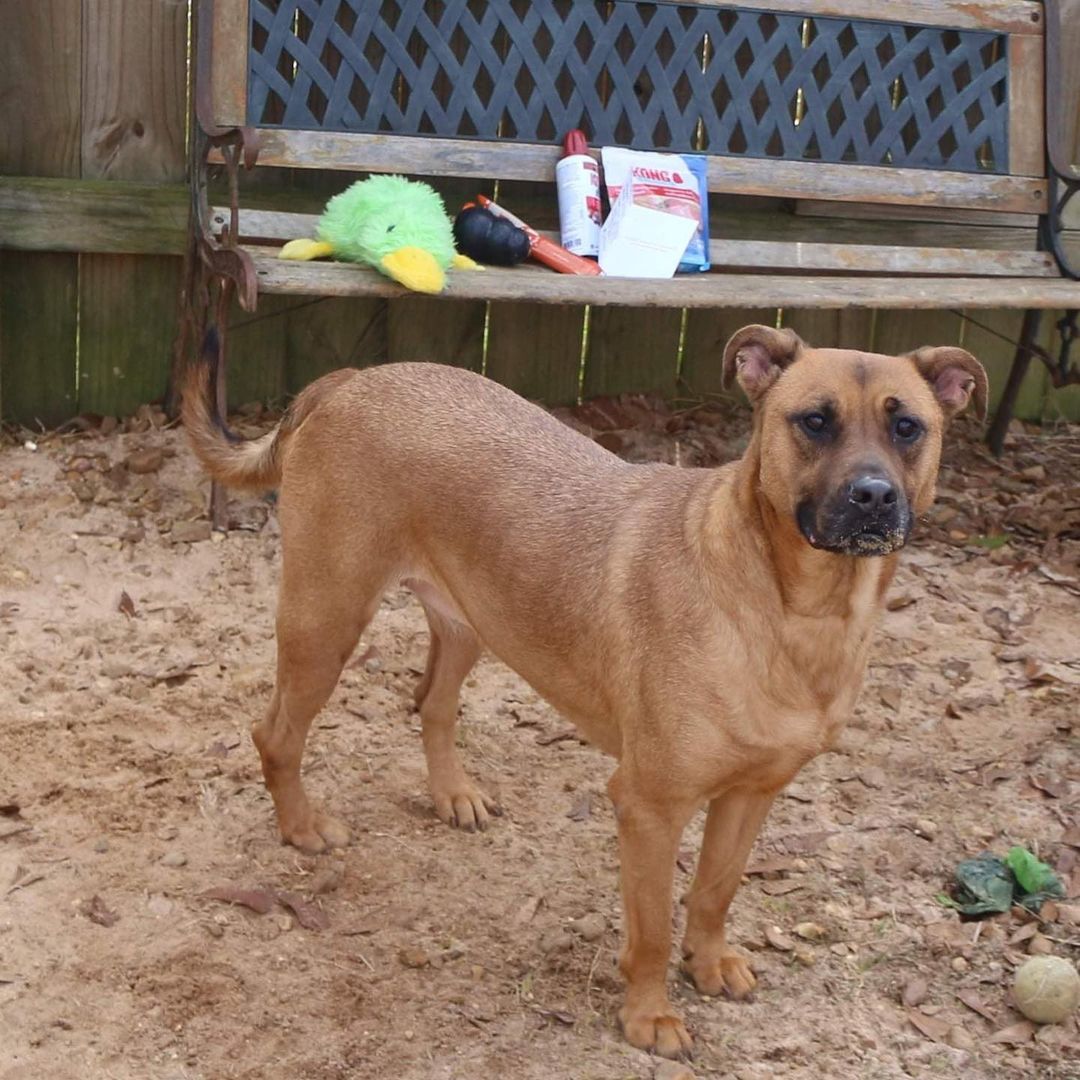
(862, 153)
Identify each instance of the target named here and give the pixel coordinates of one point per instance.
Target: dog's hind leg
(318, 626)
(454, 650)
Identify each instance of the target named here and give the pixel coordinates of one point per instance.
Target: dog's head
(850, 441)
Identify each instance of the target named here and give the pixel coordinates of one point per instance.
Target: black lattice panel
(650, 76)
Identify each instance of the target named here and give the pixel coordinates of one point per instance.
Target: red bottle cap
(575, 143)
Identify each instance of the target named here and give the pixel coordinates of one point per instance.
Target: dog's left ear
(756, 355)
(955, 376)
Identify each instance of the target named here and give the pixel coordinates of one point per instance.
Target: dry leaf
(930, 1026)
(891, 697)
(999, 621)
(527, 911)
(126, 606)
(96, 911)
(778, 939)
(560, 1015)
(558, 736)
(781, 888)
(22, 876)
(773, 865)
(972, 1000)
(1025, 932)
(990, 776)
(309, 916)
(258, 900)
(1055, 787)
(180, 669)
(806, 843)
(1015, 1034)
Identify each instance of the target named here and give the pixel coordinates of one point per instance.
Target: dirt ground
(135, 650)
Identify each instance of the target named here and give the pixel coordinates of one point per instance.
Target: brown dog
(708, 628)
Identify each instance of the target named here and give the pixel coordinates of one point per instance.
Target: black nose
(872, 493)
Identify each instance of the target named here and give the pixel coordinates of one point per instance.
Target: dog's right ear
(756, 355)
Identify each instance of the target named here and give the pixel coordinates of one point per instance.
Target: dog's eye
(907, 429)
(814, 423)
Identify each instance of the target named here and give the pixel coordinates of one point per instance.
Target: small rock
(115, 669)
(589, 927)
(673, 1070)
(190, 532)
(960, 965)
(873, 776)
(926, 828)
(159, 905)
(167, 832)
(372, 665)
(811, 931)
(133, 534)
(556, 940)
(145, 461)
(959, 1039)
(1034, 472)
(915, 992)
(455, 950)
(414, 957)
(173, 859)
(805, 955)
(214, 930)
(101, 846)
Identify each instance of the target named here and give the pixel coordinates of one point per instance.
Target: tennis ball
(1047, 989)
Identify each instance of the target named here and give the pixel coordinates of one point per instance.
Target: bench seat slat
(271, 226)
(715, 290)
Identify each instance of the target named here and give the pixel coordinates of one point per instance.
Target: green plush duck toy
(398, 226)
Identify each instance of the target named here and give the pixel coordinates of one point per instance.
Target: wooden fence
(93, 212)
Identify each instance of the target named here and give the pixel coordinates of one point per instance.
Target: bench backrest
(909, 102)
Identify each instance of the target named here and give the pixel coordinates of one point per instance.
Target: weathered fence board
(40, 63)
(133, 114)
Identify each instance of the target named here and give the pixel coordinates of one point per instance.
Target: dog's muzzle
(869, 516)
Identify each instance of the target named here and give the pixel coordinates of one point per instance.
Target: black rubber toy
(486, 238)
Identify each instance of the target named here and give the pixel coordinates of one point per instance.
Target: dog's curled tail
(247, 464)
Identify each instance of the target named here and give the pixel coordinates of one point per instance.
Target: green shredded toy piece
(988, 885)
(1035, 878)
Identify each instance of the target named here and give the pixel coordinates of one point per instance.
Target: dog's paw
(660, 1029)
(728, 975)
(462, 805)
(317, 835)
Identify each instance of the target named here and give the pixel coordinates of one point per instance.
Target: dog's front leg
(733, 822)
(650, 822)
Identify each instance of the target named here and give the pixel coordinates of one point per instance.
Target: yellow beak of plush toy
(414, 268)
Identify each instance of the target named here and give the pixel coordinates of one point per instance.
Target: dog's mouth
(842, 533)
